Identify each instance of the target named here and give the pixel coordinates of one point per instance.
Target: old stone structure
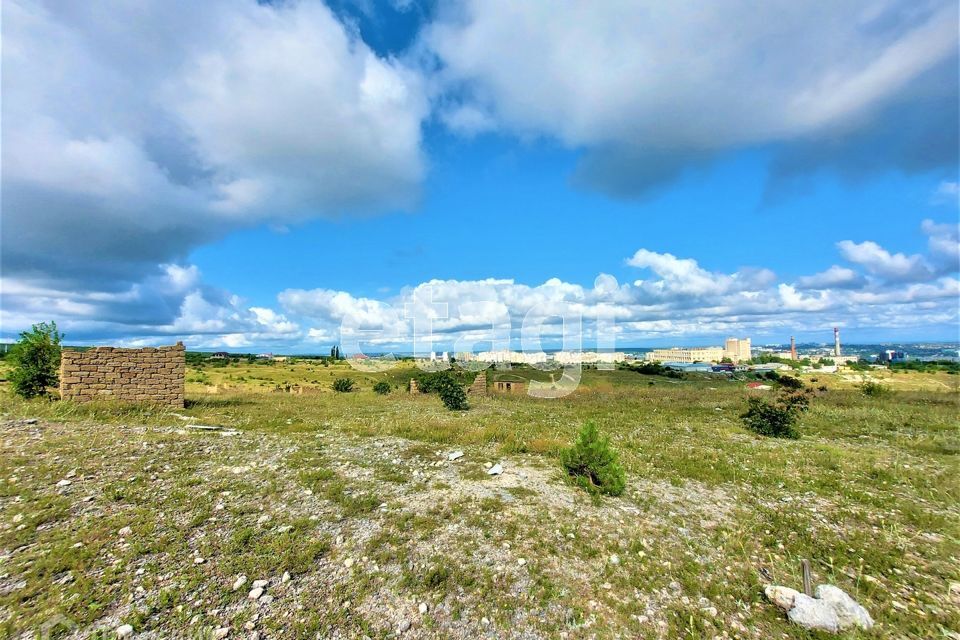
(414, 389)
(510, 386)
(151, 374)
(479, 386)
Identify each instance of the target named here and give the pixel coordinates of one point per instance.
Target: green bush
(873, 389)
(382, 387)
(777, 419)
(343, 385)
(593, 464)
(453, 395)
(36, 360)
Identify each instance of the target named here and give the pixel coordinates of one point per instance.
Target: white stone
(614, 559)
(781, 596)
(124, 631)
(423, 608)
(198, 560)
(484, 621)
(811, 613)
(521, 561)
(348, 563)
(221, 633)
(849, 612)
(239, 582)
(403, 626)
(126, 531)
(255, 593)
(285, 578)
(64, 483)
(266, 599)
(495, 470)
(262, 584)
(456, 455)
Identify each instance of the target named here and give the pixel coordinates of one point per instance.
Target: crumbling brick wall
(479, 386)
(151, 374)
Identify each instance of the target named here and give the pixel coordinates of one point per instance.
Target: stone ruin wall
(479, 386)
(151, 374)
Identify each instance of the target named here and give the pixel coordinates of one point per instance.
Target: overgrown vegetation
(36, 360)
(343, 385)
(592, 464)
(382, 388)
(872, 389)
(706, 512)
(447, 385)
(779, 418)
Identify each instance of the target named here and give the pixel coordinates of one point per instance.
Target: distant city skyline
(255, 176)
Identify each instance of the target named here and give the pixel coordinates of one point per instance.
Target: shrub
(343, 385)
(873, 389)
(36, 360)
(790, 382)
(453, 395)
(779, 418)
(382, 387)
(447, 385)
(593, 464)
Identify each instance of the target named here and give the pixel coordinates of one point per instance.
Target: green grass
(869, 494)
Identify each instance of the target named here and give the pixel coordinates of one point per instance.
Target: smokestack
(836, 342)
(793, 348)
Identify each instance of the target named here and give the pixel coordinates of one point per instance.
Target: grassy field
(353, 497)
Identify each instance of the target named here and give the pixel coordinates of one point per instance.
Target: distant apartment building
(738, 350)
(507, 356)
(588, 357)
(686, 354)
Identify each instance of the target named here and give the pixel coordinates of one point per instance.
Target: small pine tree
(593, 465)
(382, 388)
(36, 360)
(343, 385)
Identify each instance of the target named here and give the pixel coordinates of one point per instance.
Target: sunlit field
(353, 496)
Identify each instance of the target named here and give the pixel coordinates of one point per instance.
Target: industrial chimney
(793, 348)
(836, 342)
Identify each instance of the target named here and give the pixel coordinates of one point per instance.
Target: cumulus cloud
(674, 296)
(835, 277)
(650, 89)
(122, 152)
(879, 261)
(678, 298)
(176, 305)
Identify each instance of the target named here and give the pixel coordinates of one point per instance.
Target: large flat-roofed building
(738, 350)
(687, 354)
(588, 357)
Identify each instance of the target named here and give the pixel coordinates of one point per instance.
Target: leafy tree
(382, 388)
(36, 360)
(592, 464)
(343, 385)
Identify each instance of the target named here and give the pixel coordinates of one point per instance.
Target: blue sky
(259, 176)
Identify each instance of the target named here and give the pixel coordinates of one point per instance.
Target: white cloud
(680, 299)
(879, 261)
(228, 114)
(834, 277)
(650, 88)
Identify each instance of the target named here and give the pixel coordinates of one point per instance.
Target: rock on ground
(831, 610)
